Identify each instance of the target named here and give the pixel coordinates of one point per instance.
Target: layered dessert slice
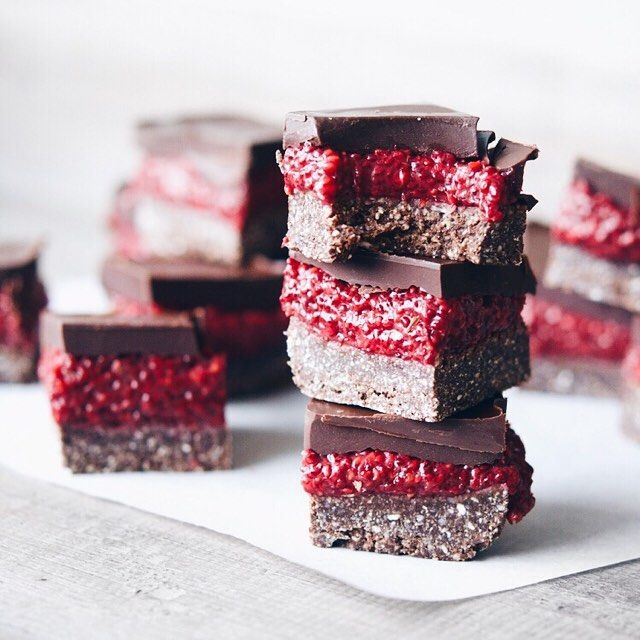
(379, 482)
(134, 394)
(596, 238)
(22, 298)
(413, 337)
(207, 188)
(577, 346)
(412, 180)
(235, 309)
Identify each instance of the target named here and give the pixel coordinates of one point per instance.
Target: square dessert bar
(207, 188)
(414, 337)
(379, 482)
(596, 238)
(134, 394)
(236, 310)
(577, 346)
(22, 297)
(414, 180)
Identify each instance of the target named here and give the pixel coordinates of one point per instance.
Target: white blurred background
(76, 74)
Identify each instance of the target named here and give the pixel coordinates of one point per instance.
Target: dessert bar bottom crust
(326, 232)
(437, 527)
(335, 372)
(580, 376)
(614, 283)
(16, 366)
(147, 448)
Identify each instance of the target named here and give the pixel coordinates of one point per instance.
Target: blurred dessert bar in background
(412, 179)
(22, 298)
(235, 309)
(580, 319)
(207, 188)
(134, 394)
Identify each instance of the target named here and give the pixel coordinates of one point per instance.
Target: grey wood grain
(72, 566)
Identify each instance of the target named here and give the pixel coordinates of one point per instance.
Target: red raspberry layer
(373, 471)
(134, 390)
(245, 332)
(595, 223)
(555, 330)
(398, 174)
(20, 304)
(404, 323)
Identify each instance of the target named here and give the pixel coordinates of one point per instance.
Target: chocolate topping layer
(421, 128)
(576, 303)
(205, 133)
(18, 257)
(441, 278)
(186, 285)
(165, 335)
(472, 437)
(509, 155)
(623, 189)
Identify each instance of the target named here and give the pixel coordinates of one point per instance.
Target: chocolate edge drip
(474, 437)
(114, 335)
(19, 258)
(623, 189)
(441, 278)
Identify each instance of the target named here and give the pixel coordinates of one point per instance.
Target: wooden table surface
(73, 566)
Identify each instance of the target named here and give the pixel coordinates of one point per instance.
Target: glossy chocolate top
(441, 278)
(419, 127)
(585, 307)
(623, 189)
(18, 257)
(165, 335)
(182, 286)
(474, 436)
(209, 133)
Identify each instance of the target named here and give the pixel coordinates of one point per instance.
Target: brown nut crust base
(435, 230)
(146, 448)
(579, 376)
(614, 283)
(436, 527)
(331, 371)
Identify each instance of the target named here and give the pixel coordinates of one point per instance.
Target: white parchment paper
(586, 483)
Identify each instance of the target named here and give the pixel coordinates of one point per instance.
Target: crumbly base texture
(148, 448)
(335, 372)
(615, 283)
(436, 527)
(579, 376)
(438, 230)
(17, 366)
(631, 409)
(247, 376)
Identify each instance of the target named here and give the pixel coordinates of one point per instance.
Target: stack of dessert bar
(404, 289)
(198, 229)
(580, 321)
(22, 298)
